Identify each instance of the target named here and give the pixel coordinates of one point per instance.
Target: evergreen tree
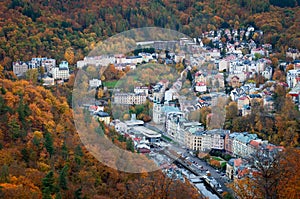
(49, 143)
(78, 193)
(62, 178)
(4, 173)
(64, 151)
(48, 187)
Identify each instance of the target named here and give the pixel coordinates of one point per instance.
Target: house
(235, 81)
(20, 68)
(223, 65)
(295, 93)
(242, 102)
(293, 53)
(236, 93)
(141, 90)
(193, 140)
(291, 77)
(102, 117)
(268, 103)
(94, 83)
(48, 81)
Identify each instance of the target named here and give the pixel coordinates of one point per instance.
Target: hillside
(41, 154)
(31, 28)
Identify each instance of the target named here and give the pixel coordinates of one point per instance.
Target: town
(219, 66)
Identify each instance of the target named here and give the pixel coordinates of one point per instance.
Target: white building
(20, 68)
(48, 64)
(48, 81)
(291, 77)
(141, 90)
(129, 98)
(94, 83)
(61, 72)
(96, 61)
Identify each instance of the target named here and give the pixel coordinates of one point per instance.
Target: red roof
(254, 143)
(243, 98)
(238, 162)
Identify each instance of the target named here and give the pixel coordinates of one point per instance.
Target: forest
(41, 155)
(35, 28)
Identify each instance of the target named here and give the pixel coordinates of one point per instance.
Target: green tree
(64, 151)
(32, 75)
(49, 143)
(63, 178)
(129, 145)
(48, 186)
(78, 193)
(4, 173)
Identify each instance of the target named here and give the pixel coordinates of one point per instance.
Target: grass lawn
(217, 158)
(110, 84)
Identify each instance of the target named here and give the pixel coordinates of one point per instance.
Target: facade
(103, 117)
(20, 68)
(61, 72)
(94, 83)
(141, 90)
(48, 64)
(48, 81)
(193, 140)
(129, 98)
(291, 77)
(240, 144)
(96, 61)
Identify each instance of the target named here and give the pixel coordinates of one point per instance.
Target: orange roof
(254, 143)
(238, 162)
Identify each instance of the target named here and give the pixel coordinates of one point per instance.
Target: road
(202, 167)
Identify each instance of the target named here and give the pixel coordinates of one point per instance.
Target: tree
(78, 193)
(32, 75)
(64, 151)
(4, 173)
(48, 186)
(69, 55)
(62, 178)
(49, 143)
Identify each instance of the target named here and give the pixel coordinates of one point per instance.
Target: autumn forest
(41, 155)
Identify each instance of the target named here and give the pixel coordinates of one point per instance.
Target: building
(61, 72)
(129, 98)
(48, 81)
(48, 64)
(240, 144)
(141, 90)
(36, 62)
(20, 68)
(150, 135)
(291, 77)
(103, 117)
(96, 61)
(94, 83)
(193, 139)
(235, 81)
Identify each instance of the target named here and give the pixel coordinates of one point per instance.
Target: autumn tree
(69, 55)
